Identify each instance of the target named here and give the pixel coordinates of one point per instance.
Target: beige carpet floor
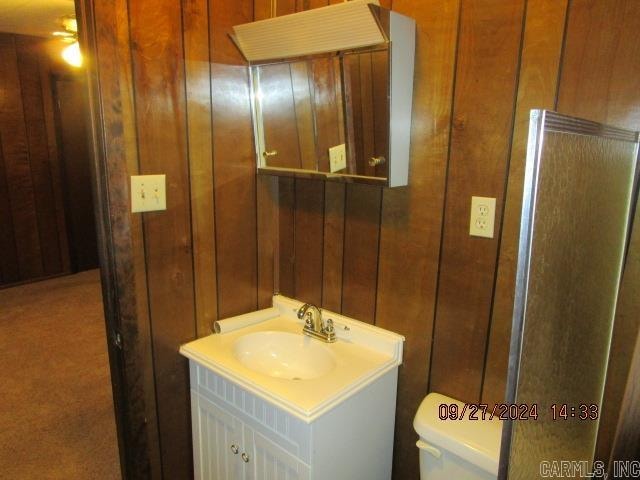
(56, 408)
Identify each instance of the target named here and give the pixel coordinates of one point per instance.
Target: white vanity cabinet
(225, 447)
(352, 441)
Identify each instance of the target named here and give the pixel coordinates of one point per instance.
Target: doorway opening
(57, 409)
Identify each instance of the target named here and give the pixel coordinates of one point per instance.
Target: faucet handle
(309, 320)
(329, 326)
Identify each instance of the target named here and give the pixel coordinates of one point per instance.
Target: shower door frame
(541, 121)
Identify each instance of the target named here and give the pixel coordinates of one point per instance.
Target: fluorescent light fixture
(342, 26)
(72, 55)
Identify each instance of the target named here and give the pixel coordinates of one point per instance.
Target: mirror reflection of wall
(326, 114)
(366, 85)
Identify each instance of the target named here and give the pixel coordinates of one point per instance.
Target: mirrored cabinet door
(326, 114)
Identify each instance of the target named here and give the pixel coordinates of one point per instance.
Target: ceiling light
(72, 55)
(70, 24)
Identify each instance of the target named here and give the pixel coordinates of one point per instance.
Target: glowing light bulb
(72, 55)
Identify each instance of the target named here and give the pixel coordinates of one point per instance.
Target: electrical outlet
(482, 218)
(148, 193)
(337, 158)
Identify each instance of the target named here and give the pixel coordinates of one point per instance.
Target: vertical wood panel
(326, 115)
(54, 156)
(268, 255)
(412, 217)
(31, 170)
(270, 250)
(261, 9)
(16, 161)
(234, 164)
(537, 88)
(600, 81)
(304, 114)
(487, 69)
(599, 72)
(286, 236)
(8, 259)
(333, 246)
(198, 90)
(355, 121)
(366, 116)
(234, 174)
(361, 210)
(309, 225)
(309, 194)
(162, 145)
(29, 74)
(113, 68)
(223, 15)
(279, 116)
(361, 238)
(380, 88)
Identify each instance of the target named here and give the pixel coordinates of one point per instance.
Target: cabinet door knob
(234, 449)
(245, 457)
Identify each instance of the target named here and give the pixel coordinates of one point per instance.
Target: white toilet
(456, 449)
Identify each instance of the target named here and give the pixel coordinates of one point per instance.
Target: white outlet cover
(148, 193)
(338, 158)
(482, 217)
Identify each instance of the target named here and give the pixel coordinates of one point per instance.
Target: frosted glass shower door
(579, 185)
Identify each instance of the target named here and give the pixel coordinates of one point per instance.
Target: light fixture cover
(336, 27)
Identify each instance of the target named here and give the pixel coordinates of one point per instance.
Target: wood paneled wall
(402, 258)
(174, 99)
(33, 239)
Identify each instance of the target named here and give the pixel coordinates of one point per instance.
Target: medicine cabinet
(332, 91)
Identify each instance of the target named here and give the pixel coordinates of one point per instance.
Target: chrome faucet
(314, 325)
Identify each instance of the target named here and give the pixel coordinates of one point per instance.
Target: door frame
(137, 442)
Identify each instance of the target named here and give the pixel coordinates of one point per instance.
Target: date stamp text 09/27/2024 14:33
(515, 411)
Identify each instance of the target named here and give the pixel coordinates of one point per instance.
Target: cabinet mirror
(326, 114)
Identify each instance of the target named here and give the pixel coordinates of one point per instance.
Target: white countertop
(362, 354)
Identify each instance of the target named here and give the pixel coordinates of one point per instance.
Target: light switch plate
(482, 218)
(338, 158)
(148, 193)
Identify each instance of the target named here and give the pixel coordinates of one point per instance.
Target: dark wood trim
(87, 36)
(135, 420)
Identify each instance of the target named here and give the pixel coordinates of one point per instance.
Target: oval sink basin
(284, 355)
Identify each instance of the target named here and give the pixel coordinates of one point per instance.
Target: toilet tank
(456, 449)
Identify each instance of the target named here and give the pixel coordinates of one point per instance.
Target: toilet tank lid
(476, 441)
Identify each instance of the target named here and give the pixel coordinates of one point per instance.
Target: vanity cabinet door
(217, 442)
(271, 462)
